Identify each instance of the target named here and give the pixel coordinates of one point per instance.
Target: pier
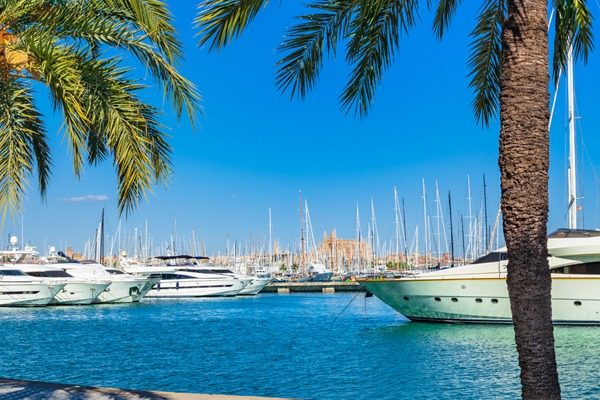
(34, 390)
(316, 287)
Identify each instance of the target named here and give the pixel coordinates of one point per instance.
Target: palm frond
(220, 21)
(153, 18)
(443, 14)
(59, 68)
(486, 60)
(374, 37)
(306, 42)
(573, 28)
(22, 142)
(123, 124)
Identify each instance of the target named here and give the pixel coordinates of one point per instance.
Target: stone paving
(32, 390)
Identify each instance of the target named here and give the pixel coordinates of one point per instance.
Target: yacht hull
(255, 286)
(172, 288)
(126, 291)
(82, 293)
(19, 294)
(575, 299)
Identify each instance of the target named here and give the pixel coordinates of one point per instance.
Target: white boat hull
(197, 288)
(126, 291)
(17, 294)
(79, 293)
(255, 286)
(575, 299)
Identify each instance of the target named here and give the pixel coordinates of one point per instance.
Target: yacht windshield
(114, 272)
(50, 274)
(491, 257)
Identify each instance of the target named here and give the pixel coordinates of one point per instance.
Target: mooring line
(347, 305)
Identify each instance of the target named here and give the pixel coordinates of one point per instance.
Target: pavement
(11, 389)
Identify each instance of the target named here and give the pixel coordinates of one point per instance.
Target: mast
(397, 223)
(270, 239)
(470, 217)
(404, 229)
(572, 177)
(485, 215)
(451, 230)
(425, 225)
(438, 217)
(357, 237)
(302, 256)
(100, 239)
(462, 228)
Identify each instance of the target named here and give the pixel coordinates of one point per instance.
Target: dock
(315, 287)
(11, 389)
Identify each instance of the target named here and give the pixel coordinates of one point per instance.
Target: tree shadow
(32, 390)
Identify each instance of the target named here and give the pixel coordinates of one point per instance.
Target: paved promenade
(11, 389)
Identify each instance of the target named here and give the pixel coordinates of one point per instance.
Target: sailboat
(477, 292)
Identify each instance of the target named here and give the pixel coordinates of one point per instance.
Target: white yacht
(190, 279)
(77, 291)
(478, 293)
(260, 279)
(18, 289)
(123, 288)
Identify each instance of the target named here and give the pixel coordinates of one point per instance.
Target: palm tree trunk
(524, 168)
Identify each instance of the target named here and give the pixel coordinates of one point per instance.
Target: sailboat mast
(270, 239)
(485, 215)
(572, 178)
(404, 230)
(302, 256)
(425, 225)
(451, 230)
(397, 223)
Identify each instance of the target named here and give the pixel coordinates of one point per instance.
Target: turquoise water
(280, 345)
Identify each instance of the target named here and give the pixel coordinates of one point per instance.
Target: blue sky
(256, 149)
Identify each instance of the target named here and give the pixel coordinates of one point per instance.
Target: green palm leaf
(374, 37)
(573, 27)
(220, 21)
(486, 60)
(23, 142)
(306, 42)
(64, 45)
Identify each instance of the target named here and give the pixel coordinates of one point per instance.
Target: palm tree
(509, 75)
(79, 51)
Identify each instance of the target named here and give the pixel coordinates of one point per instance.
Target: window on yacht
(492, 257)
(11, 272)
(50, 274)
(590, 268)
(114, 271)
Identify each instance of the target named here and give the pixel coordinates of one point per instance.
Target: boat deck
(33, 390)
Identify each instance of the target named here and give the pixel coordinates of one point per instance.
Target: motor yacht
(258, 283)
(77, 291)
(477, 292)
(124, 288)
(190, 279)
(19, 289)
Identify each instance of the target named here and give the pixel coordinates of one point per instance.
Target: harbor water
(310, 346)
